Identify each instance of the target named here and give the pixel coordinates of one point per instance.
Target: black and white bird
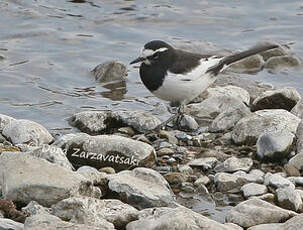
(178, 76)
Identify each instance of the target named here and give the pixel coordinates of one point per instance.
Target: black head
(155, 52)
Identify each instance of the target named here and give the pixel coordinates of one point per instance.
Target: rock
(174, 218)
(141, 188)
(250, 64)
(8, 224)
(213, 106)
(297, 180)
(41, 181)
(4, 120)
(165, 151)
(27, 132)
(291, 170)
(226, 182)
(249, 128)
(299, 135)
(286, 61)
(230, 91)
(253, 189)
(107, 170)
(50, 222)
(255, 175)
(175, 179)
(267, 227)
(188, 123)
(101, 122)
(297, 110)
(275, 146)
(205, 163)
(289, 198)
(234, 164)
(203, 180)
(227, 120)
(268, 197)
(255, 211)
(110, 71)
(252, 87)
(33, 208)
(277, 181)
(285, 98)
(91, 211)
(280, 51)
(106, 150)
(93, 175)
(297, 161)
(52, 154)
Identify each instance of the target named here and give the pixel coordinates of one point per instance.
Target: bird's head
(154, 52)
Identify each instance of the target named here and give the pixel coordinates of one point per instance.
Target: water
(49, 48)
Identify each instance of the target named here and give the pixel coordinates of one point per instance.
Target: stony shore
(241, 140)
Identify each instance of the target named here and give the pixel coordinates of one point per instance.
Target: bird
(178, 76)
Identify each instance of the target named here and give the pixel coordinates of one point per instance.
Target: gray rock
(299, 135)
(252, 87)
(255, 211)
(280, 62)
(275, 145)
(8, 224)
(233, 164)
(91, 211)
(297, 161)
(277, 181)
(289, 198)
(203, 180)
(33, 208)
(297, 110)
(249, 128)
(50, 222)
(255, 175)
(106, 150)
(41, 181)
(297, 180)
(226, 182)
(280, 51)
(101, 122)
(227, 120)
(213, 106)
(141, 188)
(110, 71)
(205, 163)
(285, 98)
(93, 175)
(174, 218)
(27, 132)
(230, 91)
(253, 189)
(52, 154)
(188, 123)
(4, 120)
(250, 64)
(267, 227)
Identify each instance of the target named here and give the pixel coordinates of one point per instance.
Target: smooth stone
(268, 197)
(277, 181)
(255, 211)
(275, 146)
(299, 135)
(26, 132)
(285, 98)
(205, 163)
(226, 182)
(291, 170)
(230, 91)
(234, 164)
(249, 128)
(297, 180)
(141, 188)
(96, 212)
(41, 181)
(255, 175)
(50, 222)
(8, 224)
(286, 61)
(101, 122)
(110, 71)
(106, 151)
(179, 218)
(52, 154)
(228, 119)
(203, 180)
(107, 170)
(253, 189)
(188, 123)
(267, 227)
(213, 106)
(289, 198)
(251, 64)
(297, 161)
(4, 120)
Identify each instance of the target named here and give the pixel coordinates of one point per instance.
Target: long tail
(238, 56)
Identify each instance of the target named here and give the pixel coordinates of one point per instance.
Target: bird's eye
(156, 55)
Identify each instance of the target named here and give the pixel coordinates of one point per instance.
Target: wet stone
(275, 146)
(286, 61)
(250, 64)
(110, 71)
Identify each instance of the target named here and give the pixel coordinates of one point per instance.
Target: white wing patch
(149, 52)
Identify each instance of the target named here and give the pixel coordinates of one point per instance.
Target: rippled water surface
(48, 47)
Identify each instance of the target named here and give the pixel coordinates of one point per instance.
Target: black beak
(139, 59)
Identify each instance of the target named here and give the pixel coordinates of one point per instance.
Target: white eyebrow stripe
(150, 52)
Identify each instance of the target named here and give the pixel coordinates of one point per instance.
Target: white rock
(27, 132)
(41, 181)
(226, 182)
(8, 224)
(33, 208)
(289, 198)
(205, 163)
(93, 175)
(141, 188)
(4, 120)
(255, 211)
(249, 128)
(233, 164)
(297, 161)
(91, 211)
(277, 181)
(253, 189)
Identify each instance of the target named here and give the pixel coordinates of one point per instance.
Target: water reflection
(116, 92)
